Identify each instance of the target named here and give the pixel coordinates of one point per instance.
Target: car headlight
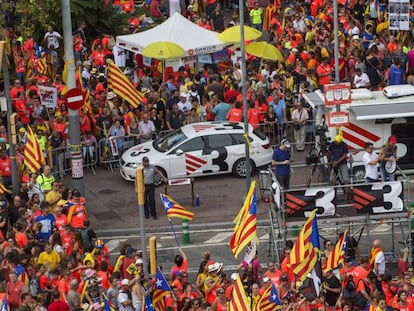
(132, 165)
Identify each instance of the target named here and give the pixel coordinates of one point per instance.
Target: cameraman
(338, 151)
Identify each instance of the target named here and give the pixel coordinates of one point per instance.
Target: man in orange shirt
(77, 212)
(324, 72)
(273, 273)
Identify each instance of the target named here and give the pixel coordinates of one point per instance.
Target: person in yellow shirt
(49, 258)
(53, 196)
(256, 16)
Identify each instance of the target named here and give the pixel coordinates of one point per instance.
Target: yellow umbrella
(163, 50)
(264, 50)
(232, 34)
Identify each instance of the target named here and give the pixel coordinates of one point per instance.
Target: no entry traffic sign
(74, 99)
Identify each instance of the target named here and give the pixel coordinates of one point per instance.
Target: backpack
(359, 300)
(34, 287)
(350, 283)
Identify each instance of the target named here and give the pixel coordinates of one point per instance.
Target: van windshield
(167, 142)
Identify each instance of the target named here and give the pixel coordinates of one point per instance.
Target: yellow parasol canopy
(264, 50)
(163, 50)
(232, 34)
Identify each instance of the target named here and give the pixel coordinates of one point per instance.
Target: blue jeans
(386, 176)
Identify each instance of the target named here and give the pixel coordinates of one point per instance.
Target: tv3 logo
(387, 198)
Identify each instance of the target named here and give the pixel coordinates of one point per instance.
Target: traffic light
(13, 128)
(153, 254)
(1, 53)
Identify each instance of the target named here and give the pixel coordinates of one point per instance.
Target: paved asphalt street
(113, 211)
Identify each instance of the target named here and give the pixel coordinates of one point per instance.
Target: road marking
(381, 228)
(219, 237)
(114, 243)
(264, 237)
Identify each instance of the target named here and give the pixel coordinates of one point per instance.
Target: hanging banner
(300, 203)
(376, 198)
(379, 198)
(48, 96)
(399, 15)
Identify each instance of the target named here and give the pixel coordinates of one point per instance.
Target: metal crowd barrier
(59, 159)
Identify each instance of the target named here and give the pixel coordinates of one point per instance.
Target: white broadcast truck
(373, 116)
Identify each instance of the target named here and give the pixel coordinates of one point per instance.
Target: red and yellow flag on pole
(305, 251)
(337, 256)
(239, 298)
(33, 155)
(245, 223)
(122, 86)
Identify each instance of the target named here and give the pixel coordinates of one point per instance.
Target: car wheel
(359, 173)
(158, 179)
(239, 168)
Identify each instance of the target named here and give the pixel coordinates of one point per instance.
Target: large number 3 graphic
(391, 196)
(323, 199)
(220, 161)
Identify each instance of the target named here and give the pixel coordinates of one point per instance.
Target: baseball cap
(139, 261)
(393, 139)
(145, 159)
(124, 282)
(266, 279)
(285, 142)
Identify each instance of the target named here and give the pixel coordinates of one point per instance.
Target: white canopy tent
(193, 39)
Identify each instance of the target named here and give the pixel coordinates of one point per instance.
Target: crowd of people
(52, 260)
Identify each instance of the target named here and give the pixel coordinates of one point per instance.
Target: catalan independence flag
(173, 209)
(269, 301)
(122, 86)
(337, 256)
(239, 299)
(161, 289)
(33, 155)
(245, 223)
(305, 252)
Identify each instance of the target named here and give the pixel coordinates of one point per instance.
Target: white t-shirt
(119, 56)
(184, 106)
(52, 38)
(361, 80)
(380, 260)
(371, 170)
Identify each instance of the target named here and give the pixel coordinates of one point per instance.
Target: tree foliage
(35, 15)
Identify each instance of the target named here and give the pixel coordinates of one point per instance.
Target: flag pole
(173, 231)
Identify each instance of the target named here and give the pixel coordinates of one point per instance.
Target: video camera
(321, 145)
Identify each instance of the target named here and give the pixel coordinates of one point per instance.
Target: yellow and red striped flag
(269, 301)
(173, 209)
(33, 155)
(161, 289)
(245, 223)
(122, 86)
(337, 256)
(238, 297)
(305, 251)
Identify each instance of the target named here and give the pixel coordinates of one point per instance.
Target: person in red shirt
(324, 72)
(63, 284)
(273, 273)
(403, 304)
(5, 167)
(60, 219)
(14, 289)
(98, 56)
(253, 115)
(58, 305)
(235, 114)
